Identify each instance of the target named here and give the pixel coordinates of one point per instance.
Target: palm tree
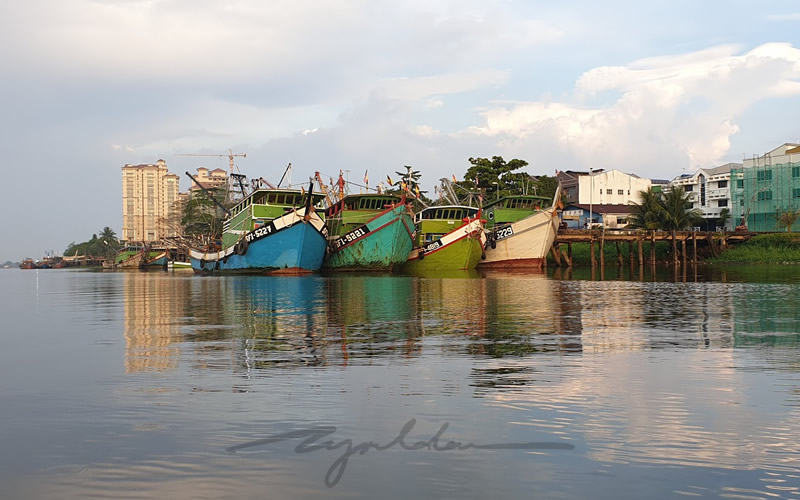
(677, 214)
(647, 213)
(787, 218)
(724, 217)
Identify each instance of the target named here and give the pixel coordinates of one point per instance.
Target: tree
(202, 218)
(787, 218)
(677, 214)
(485, 172)
(724, 217)
(647, 213)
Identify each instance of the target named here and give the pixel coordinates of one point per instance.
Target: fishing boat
(275, 231)
(448, 237)
(369, 232)
(27, 264)
(139, 257)
(520, 231)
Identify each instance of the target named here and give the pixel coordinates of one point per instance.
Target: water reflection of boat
(369, 232)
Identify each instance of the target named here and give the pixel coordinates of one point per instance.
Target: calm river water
(169, 385)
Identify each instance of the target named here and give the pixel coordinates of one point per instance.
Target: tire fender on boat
(421, 253)
(241, 247)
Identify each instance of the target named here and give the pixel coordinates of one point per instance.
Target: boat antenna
(307, 215)
(211, 197)
(288, 168)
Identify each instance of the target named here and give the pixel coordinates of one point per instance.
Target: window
(764, 195)
(722, 203)
(796, 193)
(620, 191)
(740, 183)
(795, 171)
(609, 191)
(722, 184)
(764, 175)
(689, 188)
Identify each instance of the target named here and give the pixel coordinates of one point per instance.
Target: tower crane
(230, 156)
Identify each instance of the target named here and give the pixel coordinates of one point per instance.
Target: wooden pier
(714, 243)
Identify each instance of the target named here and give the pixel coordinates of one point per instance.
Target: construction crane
(230, 156)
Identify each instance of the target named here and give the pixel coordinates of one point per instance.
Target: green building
(765, 187)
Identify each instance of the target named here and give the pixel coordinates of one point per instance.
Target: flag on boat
(476, 181)
(454, 178)
(417, 189)
(389, 179)
(404, 186)
(366, 177)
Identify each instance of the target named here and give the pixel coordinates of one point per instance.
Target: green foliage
(665, 211)
(724, 217)
(201, 216)
(105, 245)
(496, 178)
(779, 247)
(411, 178)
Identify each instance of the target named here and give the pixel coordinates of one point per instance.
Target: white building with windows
(709, 191)
(602, 187)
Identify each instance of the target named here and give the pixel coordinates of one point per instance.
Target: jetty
(709, 242)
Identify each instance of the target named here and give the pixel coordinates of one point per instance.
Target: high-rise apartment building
(149, 202)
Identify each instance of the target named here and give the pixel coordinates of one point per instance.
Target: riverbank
(764, 248)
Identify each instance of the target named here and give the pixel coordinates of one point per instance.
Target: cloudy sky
(655, 88)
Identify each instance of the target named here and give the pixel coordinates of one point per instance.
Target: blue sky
(653, 88)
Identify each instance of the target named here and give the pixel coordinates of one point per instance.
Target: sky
(653, 88)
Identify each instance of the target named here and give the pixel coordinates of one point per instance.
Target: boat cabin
(355, 210)
(435, 222)
(259, 207)
(510, 209)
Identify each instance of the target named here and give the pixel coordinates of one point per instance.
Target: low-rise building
(601, 187)
(709, 191)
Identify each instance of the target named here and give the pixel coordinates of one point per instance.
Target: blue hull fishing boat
(266, 232)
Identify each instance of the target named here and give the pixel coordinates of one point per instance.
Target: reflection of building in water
(153, 305)
(767, 314)
(624, 316)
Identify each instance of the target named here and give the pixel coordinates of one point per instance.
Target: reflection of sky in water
(134, 384)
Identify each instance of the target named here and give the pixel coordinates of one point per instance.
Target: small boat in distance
(448, 237)
(139, 257)
(369, 232)
(520, 232)
(268, 231)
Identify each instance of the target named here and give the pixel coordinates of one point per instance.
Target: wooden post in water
(591, 250)
(556, 255)
(569, 253)
(653, 248)
(565, 256)
(683, 251)
(602, 253)
(630, 252)
(639, 248)
(619, 253)
(694, 247)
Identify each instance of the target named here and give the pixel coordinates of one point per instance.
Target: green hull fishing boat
(368, 232)
(448, 237)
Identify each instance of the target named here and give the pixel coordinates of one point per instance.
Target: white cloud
(668, 110)
(794, 16)
(425, 131)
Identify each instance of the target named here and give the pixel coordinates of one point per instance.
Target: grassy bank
(764, 248)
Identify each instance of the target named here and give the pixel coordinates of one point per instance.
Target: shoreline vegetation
(775, 248)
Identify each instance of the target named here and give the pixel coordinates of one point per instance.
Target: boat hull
(522, 244)
(379, 245)
(462, 248)
(290, 246)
